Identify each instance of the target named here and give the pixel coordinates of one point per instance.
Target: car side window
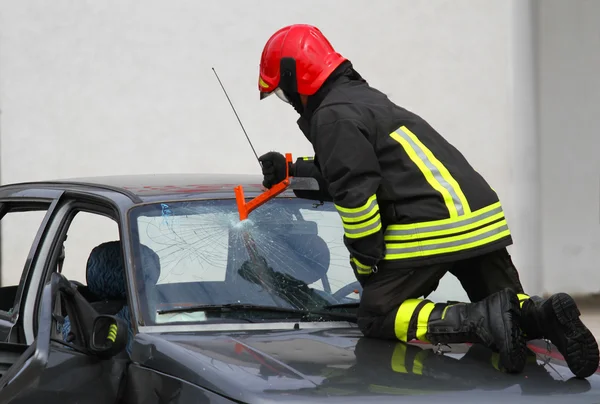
(93, 260)
(86, 231)
(18, 232)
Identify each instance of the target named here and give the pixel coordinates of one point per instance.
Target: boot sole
(513, 360)
(581, 354)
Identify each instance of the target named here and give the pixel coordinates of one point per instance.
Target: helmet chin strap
(296, 102)
(288, 83)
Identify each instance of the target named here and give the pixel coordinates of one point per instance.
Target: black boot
(557, 319)
(494, 322)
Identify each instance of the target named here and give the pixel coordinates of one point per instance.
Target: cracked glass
(289, 253)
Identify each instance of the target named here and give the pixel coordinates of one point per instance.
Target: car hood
(339, 365)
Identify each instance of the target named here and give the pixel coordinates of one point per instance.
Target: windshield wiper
(342, 306)
(223, 308)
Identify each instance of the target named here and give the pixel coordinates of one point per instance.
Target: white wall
(122, 86)
(569, 94)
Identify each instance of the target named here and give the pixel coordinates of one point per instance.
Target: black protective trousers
(385, 290)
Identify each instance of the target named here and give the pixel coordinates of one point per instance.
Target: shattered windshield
(289, 254)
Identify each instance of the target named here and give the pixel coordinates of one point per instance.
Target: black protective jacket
(405, 195)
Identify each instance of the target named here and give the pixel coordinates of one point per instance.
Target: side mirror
(109, 336)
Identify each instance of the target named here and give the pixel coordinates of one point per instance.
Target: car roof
(145, 187)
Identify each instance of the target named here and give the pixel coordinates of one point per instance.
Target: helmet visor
(278, 92)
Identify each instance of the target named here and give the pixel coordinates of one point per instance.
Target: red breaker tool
(244, 208)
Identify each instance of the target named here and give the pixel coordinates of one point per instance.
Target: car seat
(105, 276)
(311, 257)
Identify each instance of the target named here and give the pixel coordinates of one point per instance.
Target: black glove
(273, 168)
(362, 277)
(261, 273)
(296, 292)
(258, 271)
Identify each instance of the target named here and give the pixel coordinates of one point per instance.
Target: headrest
(105, 274)
(307, 257)
(150, 270)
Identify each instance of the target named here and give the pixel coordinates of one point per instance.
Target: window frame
(14, 205)
(73, 204)
(26, 204)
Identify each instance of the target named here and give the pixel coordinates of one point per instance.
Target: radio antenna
(236, 115)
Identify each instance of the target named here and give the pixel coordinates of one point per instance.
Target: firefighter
(412, 209)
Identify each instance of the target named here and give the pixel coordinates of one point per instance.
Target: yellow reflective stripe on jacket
(355, 220)
(476, 238)
(444, 227)
(436, 174)
(351, 214)
(361, 268)
(308, 158)
(522, 299)
(363, 229)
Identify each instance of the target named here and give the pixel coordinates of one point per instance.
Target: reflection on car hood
(339, 365)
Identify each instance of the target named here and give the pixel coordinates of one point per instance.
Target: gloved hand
(273, 168)
(361, 272)
(296, 292)
(258, 272)
(261, 273)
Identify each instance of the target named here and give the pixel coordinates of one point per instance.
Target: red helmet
(296, 59)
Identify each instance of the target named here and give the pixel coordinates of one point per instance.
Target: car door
(50, 370)
(23, 221)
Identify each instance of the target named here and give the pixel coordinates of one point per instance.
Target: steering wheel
(348, 289)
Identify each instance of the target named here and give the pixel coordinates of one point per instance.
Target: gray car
(190, 305)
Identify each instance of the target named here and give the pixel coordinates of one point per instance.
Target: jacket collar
(342, 75)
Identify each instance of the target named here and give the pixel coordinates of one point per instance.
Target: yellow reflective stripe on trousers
(495, 359)
(423, 320)
(363, 229)
(444, 227)
(361, 268)
(414, 249)
(376, 388)
(399, 358)
(419, 361)
(434, 171)
(403, 316)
